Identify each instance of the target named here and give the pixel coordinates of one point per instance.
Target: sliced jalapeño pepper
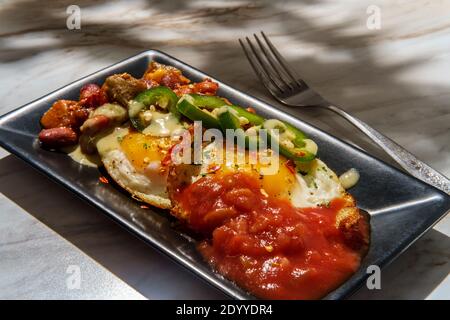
(215, 112)
(213, 102)
(208, 102)
(292, 143)
(229, 118)
(138, 109)
(189, 106)
(253, 118)
(300, 136)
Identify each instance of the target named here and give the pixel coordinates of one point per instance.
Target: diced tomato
(266, 245)
(65, 113)
(207, 87)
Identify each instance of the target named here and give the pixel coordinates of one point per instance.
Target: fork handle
(405, 159)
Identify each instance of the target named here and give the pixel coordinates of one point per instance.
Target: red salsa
(266, 245)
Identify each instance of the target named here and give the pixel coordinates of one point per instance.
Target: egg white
(149, 185)
(317, 187)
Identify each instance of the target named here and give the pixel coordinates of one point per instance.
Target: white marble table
(395, 78)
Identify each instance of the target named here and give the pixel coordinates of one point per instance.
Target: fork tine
(294, 77)
(264, 65)
(259, 70)
(278, 71)
(260, 73)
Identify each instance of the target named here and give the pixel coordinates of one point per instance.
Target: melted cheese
(163, 124)
(111, 141)
(84, 159)
(349, 178)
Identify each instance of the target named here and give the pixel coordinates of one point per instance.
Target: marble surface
(394, 78)
(38, 264)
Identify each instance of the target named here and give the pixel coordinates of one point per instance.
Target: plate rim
(141, 234)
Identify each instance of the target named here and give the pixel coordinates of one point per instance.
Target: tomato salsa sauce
(266, 245)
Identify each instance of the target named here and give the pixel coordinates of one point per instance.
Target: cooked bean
(58, 137)
(92, 96)
(89, 129)
(95, 124)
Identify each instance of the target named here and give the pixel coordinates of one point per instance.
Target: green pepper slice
(208, 102)
(229, 119)
(253, 119)
(300, 136)
(291, 141)
(188, 107)
(296, 154)
(213, 102)
(162, 97)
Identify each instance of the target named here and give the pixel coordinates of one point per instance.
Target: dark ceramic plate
(402, 208)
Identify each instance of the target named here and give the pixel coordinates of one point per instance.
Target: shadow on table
(412, 276)
(373, 95)
(416, 273)
(136, 263)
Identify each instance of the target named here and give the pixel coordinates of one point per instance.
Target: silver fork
(288, 88)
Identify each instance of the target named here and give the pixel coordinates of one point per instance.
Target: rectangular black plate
(402, 208)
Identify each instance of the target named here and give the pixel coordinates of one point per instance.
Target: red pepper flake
(227, 101)
(143, 206)
(191, 129)
(103, 179)
(167, 160)
(290, 165)
(250, 109)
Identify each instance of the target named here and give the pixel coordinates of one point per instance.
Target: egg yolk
(143, 149)
(278, 184)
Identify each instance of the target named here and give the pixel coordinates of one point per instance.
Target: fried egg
(133, 160)
(311, 185)
(307, 185)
